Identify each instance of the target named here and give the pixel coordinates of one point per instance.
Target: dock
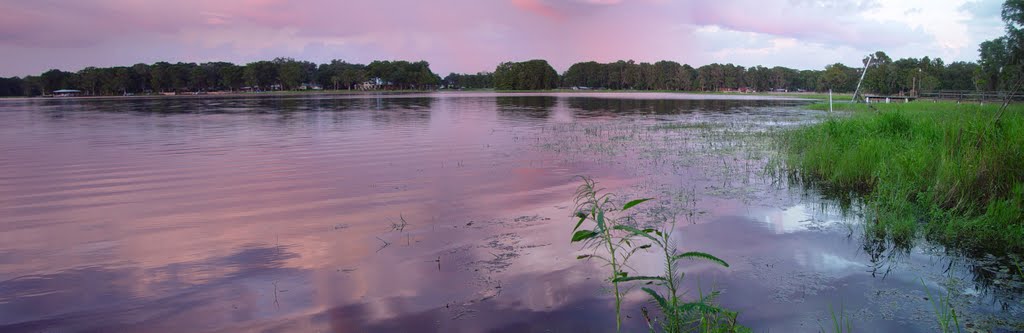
(888, 99)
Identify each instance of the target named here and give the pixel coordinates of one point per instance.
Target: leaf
(699, 306)
(701, 255)
(583, 235)
(638, 248)
(634, 203)
(600, 219)
(636, 231)
(582, 218)
(661, 300)
(710, 297)
(639, 278)
(591, 256)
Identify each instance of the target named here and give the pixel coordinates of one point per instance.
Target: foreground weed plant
(615, 240)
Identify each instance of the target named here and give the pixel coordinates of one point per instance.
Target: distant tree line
(999, 68)
(277, 74)
(884, 76)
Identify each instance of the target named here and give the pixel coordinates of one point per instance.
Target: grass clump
(841, 323)
(955, 171)
(945, 315)
(615, 239)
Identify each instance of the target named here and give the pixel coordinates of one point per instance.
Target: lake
(441, 212)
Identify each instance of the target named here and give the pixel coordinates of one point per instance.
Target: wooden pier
(887, 99)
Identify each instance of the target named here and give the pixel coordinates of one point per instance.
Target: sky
(469, 36)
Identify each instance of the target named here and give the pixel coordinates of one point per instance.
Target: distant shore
(803, 95)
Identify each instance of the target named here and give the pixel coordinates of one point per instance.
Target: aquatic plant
(606, 235)
(945, 315)
(621, 240)
(840, 323)
(954, 171)
(678, 316)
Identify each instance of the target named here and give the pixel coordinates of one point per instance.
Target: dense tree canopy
(527, 75)
(277, 74)
(884, 76)
(403, 74)
(997, 69)
(479, 80)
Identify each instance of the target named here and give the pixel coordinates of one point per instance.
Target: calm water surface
(429, 213)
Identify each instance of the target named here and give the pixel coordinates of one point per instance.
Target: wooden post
(830, 100)
(857, 91)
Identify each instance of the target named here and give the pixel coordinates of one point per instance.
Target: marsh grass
(841, 323)
(950, 170)
(614, 239)
(945, 315)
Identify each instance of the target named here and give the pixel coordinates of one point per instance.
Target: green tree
(835, 78)
(55, 79)
(527, 75)
(13, 86)
(291, 73)
(141, 77)
(231, 77)
(89, 80)
(260, 75)
(481, 80)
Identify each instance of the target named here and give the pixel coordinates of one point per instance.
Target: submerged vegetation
(953, 171)
(615, 240)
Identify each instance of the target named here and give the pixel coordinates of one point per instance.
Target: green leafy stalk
(620, 241)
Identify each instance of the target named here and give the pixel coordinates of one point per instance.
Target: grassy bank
(950, 172)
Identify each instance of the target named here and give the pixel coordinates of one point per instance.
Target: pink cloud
(537, 7)
(803, 23)
(454, 35)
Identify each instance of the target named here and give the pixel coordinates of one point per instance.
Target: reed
(945, 315)
(953, 171)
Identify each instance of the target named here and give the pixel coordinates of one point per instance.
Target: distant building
(67, 93)
(740, 90)
(373, 84)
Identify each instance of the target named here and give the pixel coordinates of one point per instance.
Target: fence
(972, 95)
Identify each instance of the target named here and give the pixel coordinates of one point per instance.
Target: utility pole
(862, 73)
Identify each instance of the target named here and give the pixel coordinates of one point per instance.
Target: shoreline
(794, 95)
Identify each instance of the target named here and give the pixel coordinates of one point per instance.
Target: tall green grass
(952, 172)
